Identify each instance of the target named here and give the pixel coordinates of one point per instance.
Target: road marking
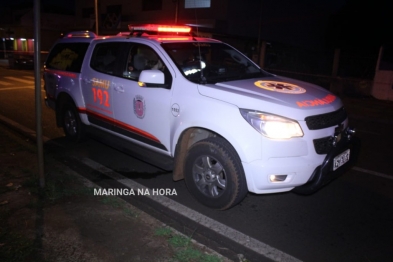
(30, 82)
(21, 87)
(30, 77)
(242, 239)
(5, 83)
(18, 79)
(372, 172)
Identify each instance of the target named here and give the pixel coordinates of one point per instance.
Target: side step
(137, 151)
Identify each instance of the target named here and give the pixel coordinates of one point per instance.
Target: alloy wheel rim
(209, 176)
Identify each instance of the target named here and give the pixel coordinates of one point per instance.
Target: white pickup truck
(201, 108)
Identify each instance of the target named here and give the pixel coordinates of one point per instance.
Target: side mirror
(151, 78)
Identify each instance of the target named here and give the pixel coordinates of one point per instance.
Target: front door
(143, 114)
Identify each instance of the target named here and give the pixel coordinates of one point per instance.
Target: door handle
(119, 89)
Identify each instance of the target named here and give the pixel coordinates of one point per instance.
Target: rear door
(97, 83)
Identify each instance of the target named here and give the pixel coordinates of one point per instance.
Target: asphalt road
(348, 220)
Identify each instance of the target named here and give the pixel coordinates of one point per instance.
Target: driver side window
(141, 57)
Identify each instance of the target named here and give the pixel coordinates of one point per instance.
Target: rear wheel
(214, 174)
(72, 125)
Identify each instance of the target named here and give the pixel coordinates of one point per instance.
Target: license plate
(341, 159)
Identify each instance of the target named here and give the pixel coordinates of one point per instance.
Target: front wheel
(72, 124)
(214, 174)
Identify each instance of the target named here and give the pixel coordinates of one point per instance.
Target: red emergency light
(153, 28)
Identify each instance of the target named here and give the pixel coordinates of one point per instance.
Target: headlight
(272, 126)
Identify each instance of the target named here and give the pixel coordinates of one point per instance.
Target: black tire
(214, 174)
(72, 125)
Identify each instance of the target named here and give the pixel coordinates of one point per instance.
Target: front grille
(326, 120)
(323, 145)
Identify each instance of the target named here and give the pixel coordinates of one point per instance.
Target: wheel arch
(214, 173)
(61, 100)
(186, 139)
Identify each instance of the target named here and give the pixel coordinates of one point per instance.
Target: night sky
(337, 22)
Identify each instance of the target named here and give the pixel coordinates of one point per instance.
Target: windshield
(202, 62)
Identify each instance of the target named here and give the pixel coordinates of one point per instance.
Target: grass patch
(189, 254)
(179, 241)
(163, 231)
(112, 201)
(185, 251)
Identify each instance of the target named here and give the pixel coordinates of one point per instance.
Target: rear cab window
(67, 57)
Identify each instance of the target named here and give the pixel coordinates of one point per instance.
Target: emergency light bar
(152, 28)
(86, 34)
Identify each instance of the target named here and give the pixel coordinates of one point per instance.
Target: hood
(277, 95)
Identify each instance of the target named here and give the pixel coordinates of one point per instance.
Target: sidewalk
(66, 222)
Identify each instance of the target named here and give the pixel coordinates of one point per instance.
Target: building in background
(17, 30)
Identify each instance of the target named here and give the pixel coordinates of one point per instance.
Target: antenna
(203, 79)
